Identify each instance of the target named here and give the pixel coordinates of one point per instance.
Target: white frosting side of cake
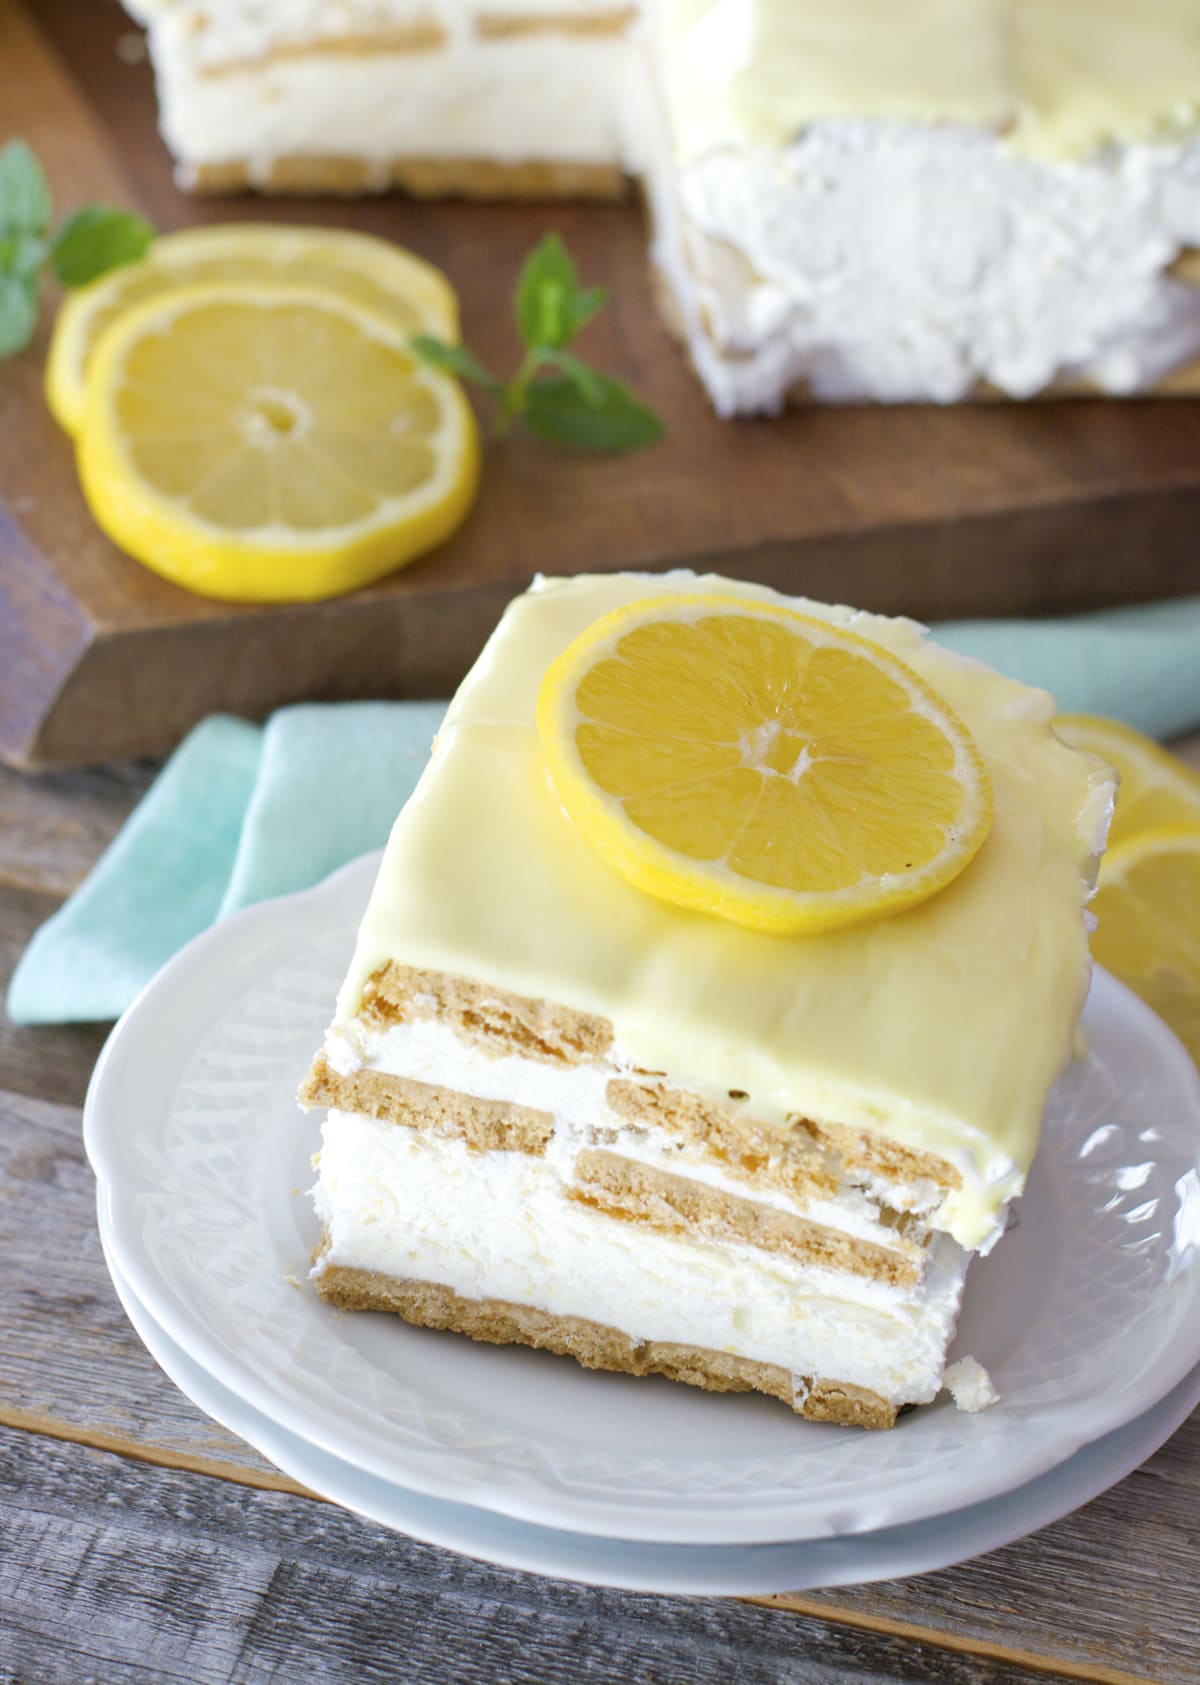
(496, 1225)
(900, 261)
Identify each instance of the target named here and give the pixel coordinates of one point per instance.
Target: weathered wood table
(141, 1542)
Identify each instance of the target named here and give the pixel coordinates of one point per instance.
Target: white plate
(679, 1570)
(1086, 1318)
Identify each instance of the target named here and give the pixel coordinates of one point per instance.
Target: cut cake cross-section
(568, 1114)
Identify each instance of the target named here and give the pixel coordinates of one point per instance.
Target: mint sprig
(85, 245)
(554, 393)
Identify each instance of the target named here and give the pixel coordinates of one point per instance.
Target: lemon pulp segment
(754, 763)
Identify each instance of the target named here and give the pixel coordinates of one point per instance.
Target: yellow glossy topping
(1059, 78)
(759, 765)
(942, 1027)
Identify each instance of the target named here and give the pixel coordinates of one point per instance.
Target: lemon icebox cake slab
(993, 196)
(568, 1113)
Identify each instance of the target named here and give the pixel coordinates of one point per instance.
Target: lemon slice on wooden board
(1148, 923)
(753, 762)
(1156, 787)
(266, 444)
(374, 273)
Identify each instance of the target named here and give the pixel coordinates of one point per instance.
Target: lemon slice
(755, 763)
(1148, 924)
(267, 444)
(1156, 788)
(383, 277)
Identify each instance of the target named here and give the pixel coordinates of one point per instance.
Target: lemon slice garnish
(271, 444)
(384, 278)
(1156, 787)
(1148, 923)
(753, 762)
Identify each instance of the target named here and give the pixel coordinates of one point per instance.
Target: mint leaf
(589, 383)
(558, 411)
(576, 406)
(546, 295)
(96, 239)
(25, 201)
(584, 306)
(453, 359)
(22, 253)
(18, 311)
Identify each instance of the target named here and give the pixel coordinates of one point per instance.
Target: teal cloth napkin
(242, 812)
(239, 813)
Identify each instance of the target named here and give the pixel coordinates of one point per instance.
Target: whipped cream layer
(575, 1096)
(377, 83)
(901, 262)
(496, 1225)
(941, 1028)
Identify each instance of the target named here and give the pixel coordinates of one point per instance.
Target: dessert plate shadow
(1086, 1317)
(920, 1547)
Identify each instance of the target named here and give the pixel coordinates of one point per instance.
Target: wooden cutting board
(986, 510)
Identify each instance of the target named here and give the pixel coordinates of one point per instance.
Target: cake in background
(991, 197)
(570, 1113)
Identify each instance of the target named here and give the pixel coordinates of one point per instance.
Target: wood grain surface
(984, 509)
(140, 1541)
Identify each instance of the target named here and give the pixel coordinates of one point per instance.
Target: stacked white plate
(1088, 1317)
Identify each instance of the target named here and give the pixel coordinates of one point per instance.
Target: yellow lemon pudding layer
(568, 1111)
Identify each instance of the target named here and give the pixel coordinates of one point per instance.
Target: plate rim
(528, 1503)
(693, 1569)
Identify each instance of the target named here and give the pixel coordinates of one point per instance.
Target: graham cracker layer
(621, 1187)
(610, 1182)
(792, 1161)
(499, 26)
(799, 1157)
(424, 178)
(485, 1125)
(804, 1157)
(596, 1346)
(491, 1019)
(422, 35)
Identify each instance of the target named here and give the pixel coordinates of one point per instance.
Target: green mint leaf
(590, 384)
(96, 239)
(25, 201)
(558, 411)
(585, 305)
(18, 312)
(546, 294)
(452, 359)
(22, 253)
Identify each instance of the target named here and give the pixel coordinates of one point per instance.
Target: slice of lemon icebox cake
(705, 1008)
